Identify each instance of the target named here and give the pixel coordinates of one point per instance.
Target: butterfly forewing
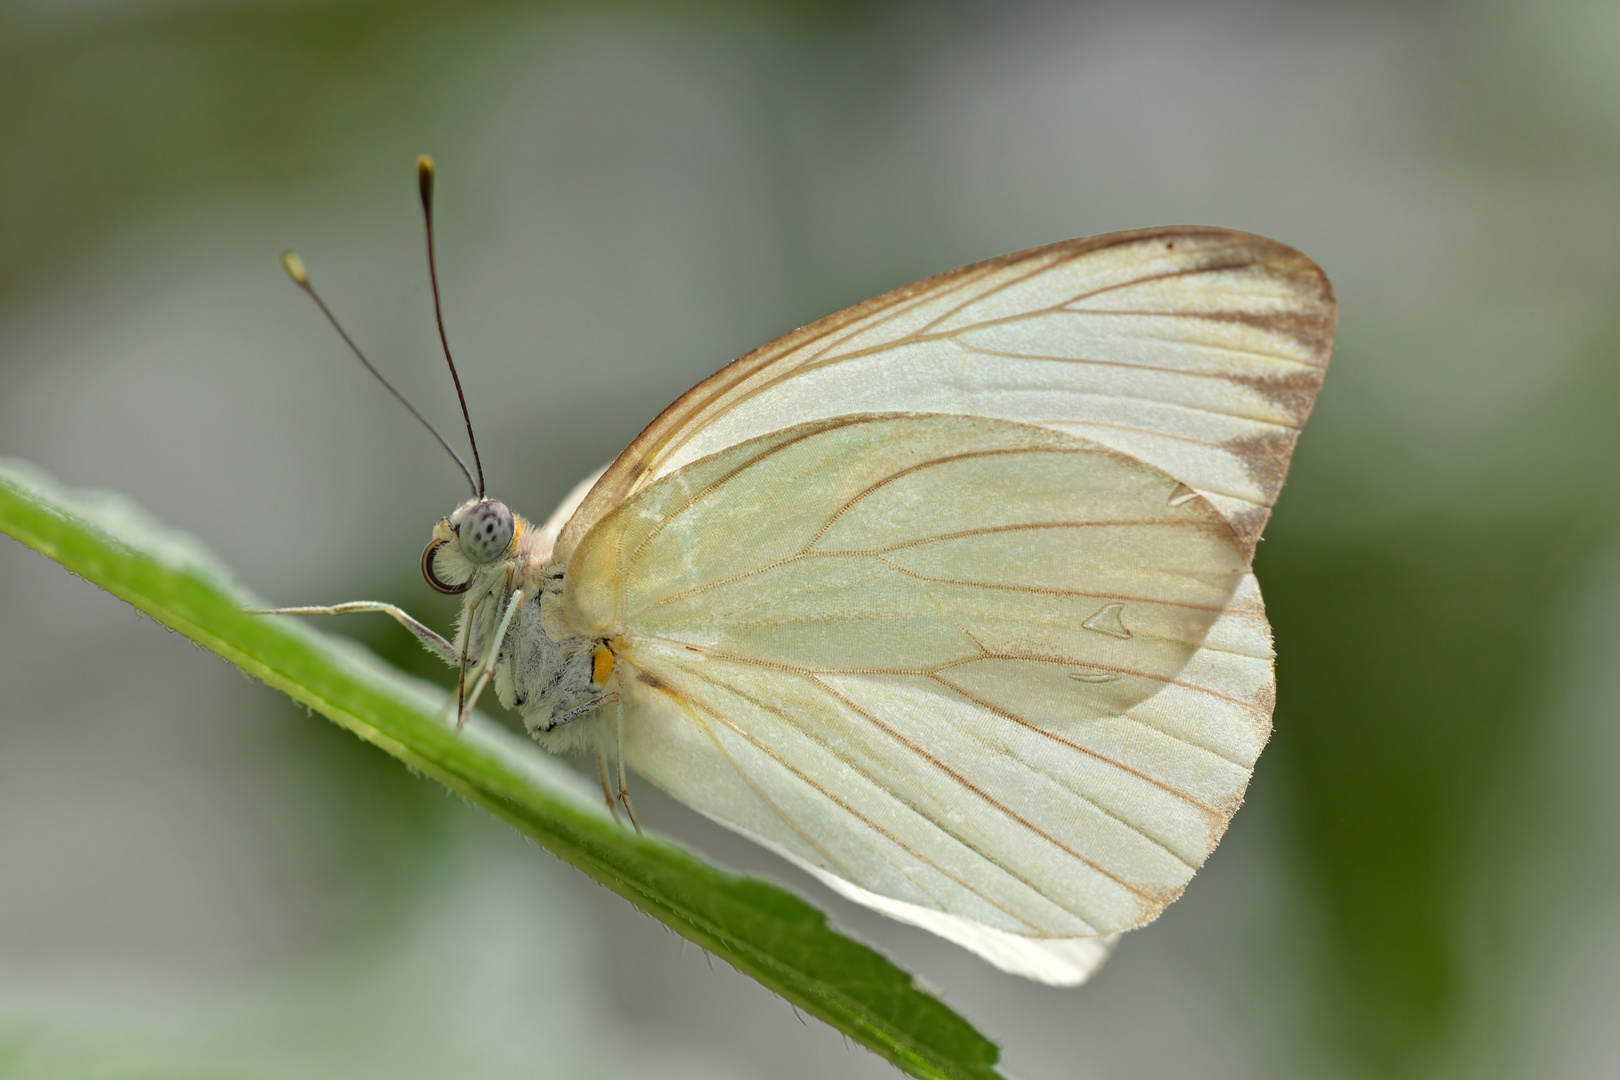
(1196, 350)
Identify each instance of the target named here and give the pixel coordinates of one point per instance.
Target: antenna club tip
(294, 266)
(424, 178)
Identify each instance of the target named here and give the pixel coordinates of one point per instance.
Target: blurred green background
(196, 879)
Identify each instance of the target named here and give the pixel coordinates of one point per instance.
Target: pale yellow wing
(1196, 350)
(988, 677)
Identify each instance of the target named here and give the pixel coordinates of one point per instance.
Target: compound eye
(486, 531)
(433, 579)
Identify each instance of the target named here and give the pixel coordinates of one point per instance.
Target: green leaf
(760, 929)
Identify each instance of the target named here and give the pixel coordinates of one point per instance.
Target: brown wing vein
(865, 820)
(932, 672)
(1082, 748)
(1208, 316)
(1191, 271)
(1037, 271)
(1027, 526)
(966, 455)
(1003, 808)
(821, 359)
(691, 709)
(1074, 256)
(902, 307)
(717, 483)
(1069, 661)
(1155, 368)
(811, 671)
(1132, 428)
(1088, 800)
(1041, 590)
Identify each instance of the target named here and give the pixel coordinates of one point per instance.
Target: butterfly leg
(491, 656)
(461, 709)
(434, 644)
(460, 662)
(602, 775)
(624, 787)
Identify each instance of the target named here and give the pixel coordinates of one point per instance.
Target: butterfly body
(537, 661)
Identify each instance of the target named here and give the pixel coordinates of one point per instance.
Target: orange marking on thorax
(601, 664)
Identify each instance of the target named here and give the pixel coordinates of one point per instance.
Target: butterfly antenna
(295, 270)
(424, 183)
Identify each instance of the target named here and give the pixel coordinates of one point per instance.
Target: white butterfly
(945, 598)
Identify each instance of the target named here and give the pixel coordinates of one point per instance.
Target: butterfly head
(480, 534)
